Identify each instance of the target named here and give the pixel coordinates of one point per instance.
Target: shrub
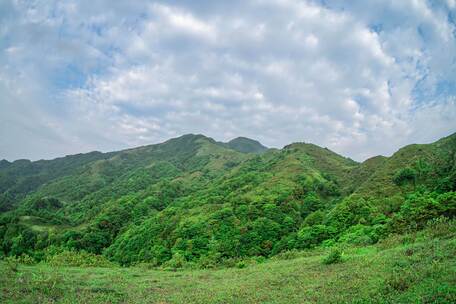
(310, 204)
(241, 265)
(177, 261)
(287, 255)
(448, 203)
(398, 282)
(328, 243)
(209, 261)
(440, 227)
(78, 259)
(419, 208)
(26, 259)
(12, 263)
(350, 212)
(362, 234)
(259, 259)
(334, 256)
(404, 175)
(447, 183)
(358, 234)
(309, 237)
(315, 218)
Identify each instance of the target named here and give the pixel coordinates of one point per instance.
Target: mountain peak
(188, 138)
(246, 145)
(239, 144)
(4, 163)
(193, 136)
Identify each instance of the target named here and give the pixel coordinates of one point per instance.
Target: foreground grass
(415, 268)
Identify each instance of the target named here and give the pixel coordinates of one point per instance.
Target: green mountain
(194, 200)
(246, 145)
(21, 177)
(432, 166)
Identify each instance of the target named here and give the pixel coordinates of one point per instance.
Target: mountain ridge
(226, 144)
(194, 198)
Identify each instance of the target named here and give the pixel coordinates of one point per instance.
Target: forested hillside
(194, 201)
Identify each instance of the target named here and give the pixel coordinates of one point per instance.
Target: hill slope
(430, 162)
(21, 177)
(246, 145)
(194, 200)
(417, 268)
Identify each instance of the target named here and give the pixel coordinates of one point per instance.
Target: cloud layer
(359, 78)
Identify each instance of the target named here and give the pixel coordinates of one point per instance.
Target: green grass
(415, 268)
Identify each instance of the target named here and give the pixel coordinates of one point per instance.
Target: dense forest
(195, 202)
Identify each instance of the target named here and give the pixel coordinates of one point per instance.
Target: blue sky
(359, 77)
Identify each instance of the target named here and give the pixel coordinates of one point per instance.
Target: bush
(26, 259)
(440, 227)
(309, 237)
(177, 261)
(404, 175)
(209, 261)
(287, 255)
(12, 263)
(448, 203)
(362, 234)
(398, 281)
(334, 256)
(315, 218)
(241, 265)
(421, 207)
(328, 243)
(350, 212)
(259, 259)
(78, 259)
(310, 204)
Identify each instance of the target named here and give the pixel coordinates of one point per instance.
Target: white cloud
(109, 75)
(183, 21)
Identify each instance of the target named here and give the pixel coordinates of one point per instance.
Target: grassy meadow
(419, 267)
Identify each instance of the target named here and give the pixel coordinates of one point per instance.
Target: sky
(359, 77)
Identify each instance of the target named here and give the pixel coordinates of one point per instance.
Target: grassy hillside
(194, 203)
(21, 177)
(431, 162)
(94, 170)
(413, 268)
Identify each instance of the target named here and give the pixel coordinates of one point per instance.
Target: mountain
(192, 199)
(185, 153)
(246, 145)
(431, 162)
(97, 180)
(21, 177)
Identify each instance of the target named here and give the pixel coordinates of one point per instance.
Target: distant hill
(246, 145)
(438, 159)
(195, 199)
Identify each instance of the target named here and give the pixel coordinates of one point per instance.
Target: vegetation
(193, 203)
(334, 256)
(417, 267)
